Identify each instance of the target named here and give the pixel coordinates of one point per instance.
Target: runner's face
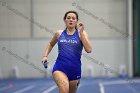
(71, 20)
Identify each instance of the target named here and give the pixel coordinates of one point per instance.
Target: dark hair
(71, 12)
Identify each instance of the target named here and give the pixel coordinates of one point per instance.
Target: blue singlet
(69, 55)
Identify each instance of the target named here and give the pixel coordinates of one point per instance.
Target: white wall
(112, 52)
(109, 13)
(27, 40)
(13, 23)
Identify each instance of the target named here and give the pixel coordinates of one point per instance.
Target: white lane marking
(50, 89)
(24, 89)
(3, 88)
(101, 88)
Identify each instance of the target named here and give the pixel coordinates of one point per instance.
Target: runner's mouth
(70, 23)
